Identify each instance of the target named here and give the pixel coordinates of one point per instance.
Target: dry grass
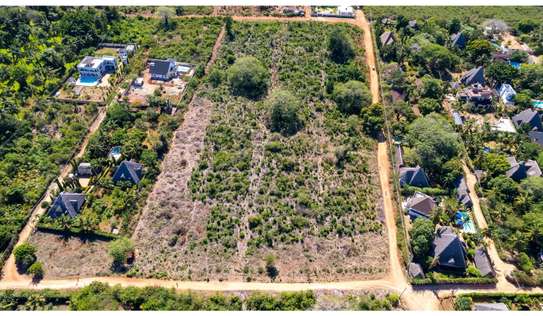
(71, 256)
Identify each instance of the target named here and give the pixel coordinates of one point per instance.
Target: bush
(215, 77)
(340, 46)
(473, 271)
(525, 262)
(351, 96)
(119, 250)
(25, 255)
(247, 77)
(285, 116)
(36, 270)
(463, 303)
(428, 105)
(422, 234)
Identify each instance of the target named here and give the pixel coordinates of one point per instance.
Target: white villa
(96, 67)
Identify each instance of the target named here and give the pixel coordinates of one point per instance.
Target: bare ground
(71, 256)
(157, 226)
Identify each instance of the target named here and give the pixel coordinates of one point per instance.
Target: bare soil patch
(71, 256)
(170, 215)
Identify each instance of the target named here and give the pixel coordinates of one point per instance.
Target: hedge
(54, 297)
(498, 295)
(410, 190)
(75, 231)
(467, 280)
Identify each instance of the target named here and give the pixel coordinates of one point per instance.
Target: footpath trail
(9, 271)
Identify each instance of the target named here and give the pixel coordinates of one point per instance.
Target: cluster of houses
(447, 247)
(71, 204)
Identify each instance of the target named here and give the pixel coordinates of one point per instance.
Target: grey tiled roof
(482, 262)
(387, 38)
(449, 249)
(475, 75)
(67, 203)
(421, 203)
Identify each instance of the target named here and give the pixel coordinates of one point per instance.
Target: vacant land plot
(259, 204)
(65, 256)
(465, 13)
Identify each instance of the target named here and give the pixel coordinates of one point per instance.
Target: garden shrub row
(441, 280)
(57, 229)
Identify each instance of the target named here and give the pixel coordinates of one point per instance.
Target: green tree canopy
(36, 270)
(427, 106)
(505, 188)
(434, 141)
(351, 96)
(373, 119)
(436, 59)
(422, 235)
(431, 88)
(531, 78)
(494, 164)
(340, 46)
(479, 51)
(119, 250)
(285, 116)
(25, 255)
(500, 72)
(248, 78)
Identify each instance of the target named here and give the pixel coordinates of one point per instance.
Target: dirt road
(9, 271)
(413, 299)
(502, 269)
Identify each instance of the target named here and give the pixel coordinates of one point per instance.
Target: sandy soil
(158, 223)
(71, 256)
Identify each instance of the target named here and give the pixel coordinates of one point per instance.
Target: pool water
(515, 64)
(537, 104)
(88, 81)
(463, 220)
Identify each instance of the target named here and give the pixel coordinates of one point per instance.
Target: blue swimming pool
(515, 64)
(537, 104)
(463, 220)
(88, 81)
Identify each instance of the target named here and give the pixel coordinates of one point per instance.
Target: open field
(254, 194)
(71, 256)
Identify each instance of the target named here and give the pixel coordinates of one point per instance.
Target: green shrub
(119, 250)
(284, 108)
(463, 303)
(36, 270)
(340, 47)
(247, 77)
(351, 96)
(25, 255)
